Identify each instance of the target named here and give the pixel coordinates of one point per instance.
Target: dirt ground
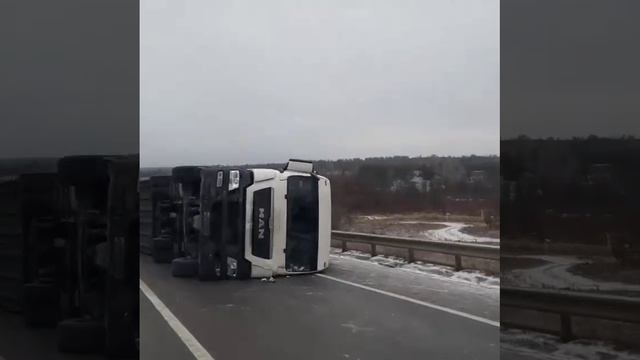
(608, 271)
(513, 263)
(481, 230)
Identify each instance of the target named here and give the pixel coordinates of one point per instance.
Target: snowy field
(555, 273)
(424, 226)
(532, 345)
(452, 232)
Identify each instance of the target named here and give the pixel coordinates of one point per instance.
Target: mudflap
(210, 264)
(243, 271)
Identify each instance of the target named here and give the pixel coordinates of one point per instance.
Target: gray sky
(570, 68)
(69, 77)
(255, 81)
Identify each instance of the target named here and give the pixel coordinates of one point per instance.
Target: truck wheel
(40, 305)
(84, 169)
(186, 174)
(81, 336)
(161, 249)
(184, 267)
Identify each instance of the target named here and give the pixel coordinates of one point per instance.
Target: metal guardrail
(568, 304)
(457, 249)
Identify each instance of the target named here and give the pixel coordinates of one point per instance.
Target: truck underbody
(75, 235)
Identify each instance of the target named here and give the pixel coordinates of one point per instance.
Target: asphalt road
(313, 317)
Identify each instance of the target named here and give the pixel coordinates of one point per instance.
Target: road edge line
(415, 301)
(194, 346)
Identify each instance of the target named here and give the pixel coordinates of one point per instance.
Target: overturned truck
(249, 223)
(74, 235)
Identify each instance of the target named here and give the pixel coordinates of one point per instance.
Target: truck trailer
(72, 263)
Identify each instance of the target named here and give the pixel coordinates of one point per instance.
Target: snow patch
(355, 254)
(555, 275)
(548, 347)
(374, 217)
(433, 270)
(465, 276)
(388, 261)
(355, 328)
(452, 232)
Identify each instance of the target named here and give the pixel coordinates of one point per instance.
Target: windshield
(302, 224)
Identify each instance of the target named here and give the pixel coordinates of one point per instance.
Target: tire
(186, 174)
(83, 169)
(81, 336)
(162, 249)
(41, 305)
(184, 267)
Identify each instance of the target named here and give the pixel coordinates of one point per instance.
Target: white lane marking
(415, 301)
(187, 338)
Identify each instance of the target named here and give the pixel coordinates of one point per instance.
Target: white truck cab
(263, 222)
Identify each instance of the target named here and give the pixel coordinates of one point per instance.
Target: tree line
(456, 185)
(570, 190)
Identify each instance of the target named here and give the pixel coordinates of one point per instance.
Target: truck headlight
(234, 179)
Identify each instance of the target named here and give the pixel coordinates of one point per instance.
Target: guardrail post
(458, 266)
(565, 328)
(373, 250)
(344, 245)
(412, 257)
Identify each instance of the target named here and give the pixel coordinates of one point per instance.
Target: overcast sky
(570, 68)
(68, 77)
(258, 81)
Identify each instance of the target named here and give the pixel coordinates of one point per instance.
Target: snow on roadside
(374, 217)
(548, 347)
(437, 271)
(465, 276)
(555, 275)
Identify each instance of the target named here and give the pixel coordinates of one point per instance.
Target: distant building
(453, 170)
(398, 185)
(419, 182)
(477, 177)
(437, 183)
